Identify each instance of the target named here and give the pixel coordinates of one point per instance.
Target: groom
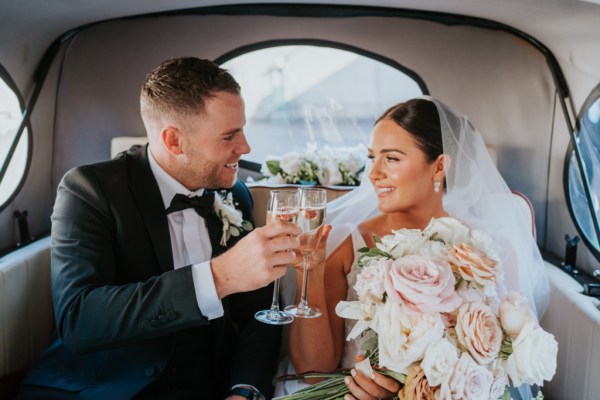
(150, 301)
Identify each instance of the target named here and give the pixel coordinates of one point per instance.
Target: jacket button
(155, 322)
(171, 315)
(145, 324)
(150, 371)
(163, 318)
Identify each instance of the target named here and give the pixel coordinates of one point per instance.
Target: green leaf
(273, 166)
(247, 226)
(234, 231)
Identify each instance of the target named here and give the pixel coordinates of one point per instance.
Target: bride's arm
(317, 343)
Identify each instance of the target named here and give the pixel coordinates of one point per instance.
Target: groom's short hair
(180, 87)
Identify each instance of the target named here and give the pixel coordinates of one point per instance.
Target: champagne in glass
(282, 206)
(311, 217)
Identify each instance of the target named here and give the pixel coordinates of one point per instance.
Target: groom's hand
(257, 259)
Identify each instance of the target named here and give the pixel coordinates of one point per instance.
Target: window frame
(591, 99)
(5, 76)
(267, 44)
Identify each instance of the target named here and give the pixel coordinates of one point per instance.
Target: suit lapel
(146, 194)
(215, 230)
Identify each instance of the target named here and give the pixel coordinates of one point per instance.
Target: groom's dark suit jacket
(126, 320)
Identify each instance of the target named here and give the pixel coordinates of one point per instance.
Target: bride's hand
(363, 387)
(318, 257)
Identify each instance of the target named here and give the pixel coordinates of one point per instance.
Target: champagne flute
(282, 206)
(310, 219)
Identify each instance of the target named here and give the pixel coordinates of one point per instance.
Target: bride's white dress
(351, 348)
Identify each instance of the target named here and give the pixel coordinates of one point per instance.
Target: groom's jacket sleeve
(109, 288)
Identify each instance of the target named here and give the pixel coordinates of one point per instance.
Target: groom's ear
(170, 137)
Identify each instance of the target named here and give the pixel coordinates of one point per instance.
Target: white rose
(533, 359)
(277, 179)
(483, 242)
(434, 249)
(370, 282)
(352, 159)
(498, 386)
(439, 361)
(468, 381)
(329, 173)
(290, 163)
(402, 242)
(514, 313)
(470, 293)
(403, 338)
(450, 230)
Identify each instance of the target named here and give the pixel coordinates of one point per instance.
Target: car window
(301, 97)
(10, 118)
(589, 147)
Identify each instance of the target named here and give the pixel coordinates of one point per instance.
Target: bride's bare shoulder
(371, 227)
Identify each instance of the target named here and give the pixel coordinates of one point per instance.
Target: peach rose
(416, 386)
(423, 284)
(478, 329)
(472, 264)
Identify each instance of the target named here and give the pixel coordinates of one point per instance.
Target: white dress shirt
(190, 241)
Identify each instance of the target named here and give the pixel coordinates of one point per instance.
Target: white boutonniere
(231, 217)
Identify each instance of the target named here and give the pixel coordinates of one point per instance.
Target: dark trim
(592, 97)
(5, 76)
(249, 165)
(324, 43)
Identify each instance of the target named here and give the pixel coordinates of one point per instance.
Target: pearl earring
(436, 186)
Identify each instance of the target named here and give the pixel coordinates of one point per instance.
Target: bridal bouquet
(431, 299)
(327, 166)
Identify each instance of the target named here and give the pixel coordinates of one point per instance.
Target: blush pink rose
(422, 283)
(468, 381)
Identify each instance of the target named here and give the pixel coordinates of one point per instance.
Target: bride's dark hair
(421, 119)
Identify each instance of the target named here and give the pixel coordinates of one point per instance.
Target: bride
(426, 161)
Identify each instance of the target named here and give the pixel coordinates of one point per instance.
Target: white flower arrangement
(440, 327)
(231, 217)
(327, 166)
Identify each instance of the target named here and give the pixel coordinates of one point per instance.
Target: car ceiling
(570, 28)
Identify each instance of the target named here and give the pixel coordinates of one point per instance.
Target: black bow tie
(204, 205)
